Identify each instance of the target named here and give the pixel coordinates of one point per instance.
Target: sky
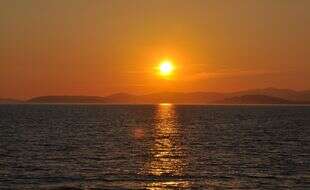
(100, 47)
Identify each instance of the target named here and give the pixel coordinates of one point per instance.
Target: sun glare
(166, 67)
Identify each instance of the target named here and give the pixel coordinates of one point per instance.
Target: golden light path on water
(167, 152)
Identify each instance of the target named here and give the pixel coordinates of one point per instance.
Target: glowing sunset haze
(105, 47)
(154, 94)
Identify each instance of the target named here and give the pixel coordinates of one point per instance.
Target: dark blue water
(154, 147)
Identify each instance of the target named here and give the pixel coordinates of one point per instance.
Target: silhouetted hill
(255, 99)
(68, 99)
(304, 96)
(257, 96)
(9, 101)
(287, 94)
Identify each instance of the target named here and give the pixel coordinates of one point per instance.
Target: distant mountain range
(256, 99)
(255, 96)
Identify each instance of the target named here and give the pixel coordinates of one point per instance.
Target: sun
(166, 68)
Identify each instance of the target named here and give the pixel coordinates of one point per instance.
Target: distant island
(10, 101)
(255, 96)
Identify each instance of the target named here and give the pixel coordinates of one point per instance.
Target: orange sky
(94, 47)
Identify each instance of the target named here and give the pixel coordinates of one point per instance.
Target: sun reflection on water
(167, 152)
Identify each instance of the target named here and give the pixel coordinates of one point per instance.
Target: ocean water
(154, 147)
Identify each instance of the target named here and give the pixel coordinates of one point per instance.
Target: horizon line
(143, 94)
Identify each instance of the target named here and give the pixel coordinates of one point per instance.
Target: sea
(156, 147)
